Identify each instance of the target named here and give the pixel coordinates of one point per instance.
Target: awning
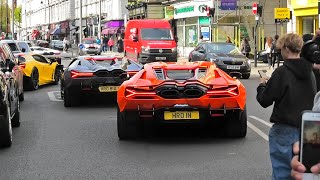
(113, 30)
(83, 28)
(35, 33)
(56, 31)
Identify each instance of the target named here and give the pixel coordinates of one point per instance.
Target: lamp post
(99, 25)
(80, 24)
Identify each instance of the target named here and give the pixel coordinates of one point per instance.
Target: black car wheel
(69, 99)
(21, 96)
(33, 83)
(6, 133)
(237, 124)
(127, 124)
(57, 75)
(16, 118)
(246, 76)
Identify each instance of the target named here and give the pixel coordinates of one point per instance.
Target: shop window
(191, 36)
(307, 25)
(180, 22)
(192, 20)
(180, 36)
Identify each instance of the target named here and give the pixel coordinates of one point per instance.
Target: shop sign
(228, 4)
(169, 12)
(190, 9)
(204, 20)
(282, 14)
(296, 4)
(205, 32)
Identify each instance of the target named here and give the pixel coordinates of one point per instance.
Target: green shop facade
(191, 22)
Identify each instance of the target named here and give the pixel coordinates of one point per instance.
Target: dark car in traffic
(225, 55)
(93, 75)
(9, 95)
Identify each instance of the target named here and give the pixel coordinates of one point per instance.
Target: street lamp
(45, 14)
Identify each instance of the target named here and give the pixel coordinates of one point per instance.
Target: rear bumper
(91, 51)
(154, 57)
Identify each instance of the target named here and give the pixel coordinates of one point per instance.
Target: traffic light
(259, 11)
(210, 11)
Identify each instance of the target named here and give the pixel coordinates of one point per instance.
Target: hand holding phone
(310, 143)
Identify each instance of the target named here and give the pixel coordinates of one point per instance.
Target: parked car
(31, 43)
(42, 43)
(89, 46)
(17, 47)
(192, 92)
(262, 56)
(9, 99)
(93, 75)
(48, 53)
(56, 44)
(17, 71)
(39, 70)
(149, 41)
(225, 55)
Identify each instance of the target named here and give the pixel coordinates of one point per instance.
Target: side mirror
(21, 60)
(23, 50)
(135, 39)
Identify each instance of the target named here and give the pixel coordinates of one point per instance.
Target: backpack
(247, 48)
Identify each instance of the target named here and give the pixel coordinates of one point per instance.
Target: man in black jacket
(291, 88)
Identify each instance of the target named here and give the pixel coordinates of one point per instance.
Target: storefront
(306, 15)
(192, 22)
(115, 27)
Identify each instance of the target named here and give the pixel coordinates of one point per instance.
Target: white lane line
(54, 95)
(261, 120)
(258, 131)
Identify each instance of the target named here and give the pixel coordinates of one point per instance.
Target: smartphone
(310, 142)
(263, 74)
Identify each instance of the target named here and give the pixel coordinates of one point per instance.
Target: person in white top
(268, 50)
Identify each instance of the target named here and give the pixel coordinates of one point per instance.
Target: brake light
(23, 66)
(76, 74)
(58, 53)
(224, 92)
(138, 93)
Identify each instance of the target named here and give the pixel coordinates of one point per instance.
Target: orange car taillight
(224, 92)
(133, 93)
(76, 74)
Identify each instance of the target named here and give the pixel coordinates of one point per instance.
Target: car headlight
(145, 49)
(174, 49)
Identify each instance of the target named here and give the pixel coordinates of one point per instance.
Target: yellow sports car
(38, 70)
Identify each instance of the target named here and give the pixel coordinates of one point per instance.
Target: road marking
(55, 96)
(262, 121)
(258, 131)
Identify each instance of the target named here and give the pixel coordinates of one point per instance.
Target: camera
(311, 51)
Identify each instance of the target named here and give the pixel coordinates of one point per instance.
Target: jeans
(281, 139)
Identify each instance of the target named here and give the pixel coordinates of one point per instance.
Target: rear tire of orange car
(237, 124)
(33, 83)
(6, 133)
(127, 124)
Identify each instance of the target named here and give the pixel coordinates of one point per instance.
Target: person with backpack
(245, 47)
(275, 52)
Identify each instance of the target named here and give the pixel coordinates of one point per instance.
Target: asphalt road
(55, 142)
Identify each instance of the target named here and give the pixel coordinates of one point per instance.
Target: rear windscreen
(13, 47)
(180, 74)
(104, 63)
(156, 34)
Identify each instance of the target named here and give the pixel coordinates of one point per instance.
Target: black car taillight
(76, 74)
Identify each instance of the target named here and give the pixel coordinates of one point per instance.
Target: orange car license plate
(108, 88)
(180, 115)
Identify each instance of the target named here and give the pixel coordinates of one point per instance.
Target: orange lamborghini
(181, 92)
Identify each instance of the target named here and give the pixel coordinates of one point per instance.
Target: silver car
(89, 46)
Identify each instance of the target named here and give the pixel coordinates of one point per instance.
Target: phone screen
(310, 140)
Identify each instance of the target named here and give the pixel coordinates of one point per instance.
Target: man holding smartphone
(291, 88)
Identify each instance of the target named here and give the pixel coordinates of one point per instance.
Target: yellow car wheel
(33, 83)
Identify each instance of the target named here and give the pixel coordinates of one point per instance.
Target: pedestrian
(268, 50)
(104, 43)
(98, 41)
(291, 88)
(120, 44)
(245, 47)
(65, 44)
(228, 40)
(276, 53)
(201, 39)
(309, 53)
(110, 43)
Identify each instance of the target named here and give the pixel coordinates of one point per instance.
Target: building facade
(305, 18)
(55, 19)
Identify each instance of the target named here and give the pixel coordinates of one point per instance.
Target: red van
(150, 40)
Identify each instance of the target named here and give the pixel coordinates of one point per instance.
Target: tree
(18, 16)
(3, 15)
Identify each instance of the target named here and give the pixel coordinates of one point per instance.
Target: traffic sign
(282, 13)
(255, 8)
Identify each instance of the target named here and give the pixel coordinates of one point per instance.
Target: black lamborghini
(96, 75)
